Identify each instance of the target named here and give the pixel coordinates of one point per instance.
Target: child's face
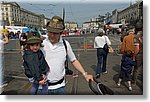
(35, 47)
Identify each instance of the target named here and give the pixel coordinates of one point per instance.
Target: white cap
(131, 31)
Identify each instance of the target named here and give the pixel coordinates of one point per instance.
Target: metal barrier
(87, 43)
(77, 44)
(81, 43)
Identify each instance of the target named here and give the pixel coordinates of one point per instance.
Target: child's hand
(36, 82)
(44, 76)
(42, 82)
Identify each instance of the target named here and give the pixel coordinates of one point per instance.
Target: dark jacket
(127, 63)
(35, 64)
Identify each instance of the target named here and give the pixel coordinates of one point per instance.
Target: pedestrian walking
(3, 40)
(127, 63)
(35, 64)
(101, 43)
(55, 55)
(133, 43)
(138, 42)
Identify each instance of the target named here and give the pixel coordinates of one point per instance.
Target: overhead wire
(44, 9)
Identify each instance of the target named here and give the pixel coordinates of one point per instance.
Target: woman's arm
(5, 39)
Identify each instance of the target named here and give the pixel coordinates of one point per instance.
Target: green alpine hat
(56, 25)
(33, 37)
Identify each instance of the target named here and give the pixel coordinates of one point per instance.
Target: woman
(100, 41)
(3, 40)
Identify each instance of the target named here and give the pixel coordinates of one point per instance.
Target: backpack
(106, 46)
(138, 39)
(67, 70)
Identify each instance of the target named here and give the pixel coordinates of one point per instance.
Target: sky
(75, 10)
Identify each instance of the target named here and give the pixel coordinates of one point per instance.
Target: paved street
(18, 83)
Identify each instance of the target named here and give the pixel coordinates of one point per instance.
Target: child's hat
(33, 37)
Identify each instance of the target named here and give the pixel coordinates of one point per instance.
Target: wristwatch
(85, 73)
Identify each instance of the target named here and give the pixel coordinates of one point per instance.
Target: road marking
(18, 77)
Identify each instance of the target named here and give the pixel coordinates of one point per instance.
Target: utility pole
(63, 14)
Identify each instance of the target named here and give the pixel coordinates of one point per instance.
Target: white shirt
(55, 56)
(100, 41)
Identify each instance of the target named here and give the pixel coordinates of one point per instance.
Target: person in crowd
(35, 64)
(11, 35)
(128, 42)
(127, 63)
(126, 32)
(100, 41)
(23, 39)
(119, 30)
(134, 43)
(16, 35)
(5, 31)
(138, 42)
(3, 41)
(55, 55)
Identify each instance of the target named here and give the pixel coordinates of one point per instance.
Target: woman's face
(54, 37)
(35, 47)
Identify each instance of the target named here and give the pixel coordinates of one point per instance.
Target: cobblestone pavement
(18, 82)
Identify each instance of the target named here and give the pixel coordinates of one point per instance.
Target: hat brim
(34, 41)
(54, 30)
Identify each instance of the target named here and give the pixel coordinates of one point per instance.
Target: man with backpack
(55, 55)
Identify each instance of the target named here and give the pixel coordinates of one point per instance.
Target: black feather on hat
(56, 25)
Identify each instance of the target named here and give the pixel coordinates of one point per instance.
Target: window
(6, 9)
(6, 14)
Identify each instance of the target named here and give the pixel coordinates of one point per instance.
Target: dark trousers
(102, 60)
(35, 87)
(126, 74)
(138, 67)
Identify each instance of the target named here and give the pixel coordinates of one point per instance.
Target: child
(35, 64)
(127, 63)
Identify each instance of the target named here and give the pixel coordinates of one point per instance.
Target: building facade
(14, 15)
(131, 14)
(71, 26)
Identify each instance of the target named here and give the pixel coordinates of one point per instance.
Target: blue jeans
(59, 91)
(34, 89)
(102, 60)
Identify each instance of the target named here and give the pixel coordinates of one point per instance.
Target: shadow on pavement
(93, 67)
(11, 92)
(116, 68)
